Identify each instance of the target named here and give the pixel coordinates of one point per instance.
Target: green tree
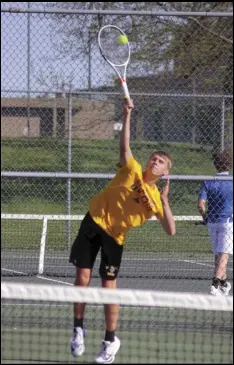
(190, 47)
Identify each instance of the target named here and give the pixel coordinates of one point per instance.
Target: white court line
(39, 277)
(197, 263)
(200, 263)
(56, 281)
(17, 272)
(98, 258)
(124, 259)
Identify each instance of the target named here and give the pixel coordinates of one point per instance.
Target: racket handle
(125, 88)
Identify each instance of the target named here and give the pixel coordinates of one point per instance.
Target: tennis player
(219, 218)
(130, 199)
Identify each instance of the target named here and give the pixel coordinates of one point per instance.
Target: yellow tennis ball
(122, 39)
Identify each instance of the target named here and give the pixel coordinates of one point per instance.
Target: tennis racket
(117, 55)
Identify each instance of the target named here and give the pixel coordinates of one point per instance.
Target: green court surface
(39, 333)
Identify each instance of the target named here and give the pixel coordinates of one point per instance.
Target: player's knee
(108, 272)
(82, 277)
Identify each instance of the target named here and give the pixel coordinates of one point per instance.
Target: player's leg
(225, 247)
(213, 233)
(221, 260)
(83, 276)
(111, 313)
(111, 254)
(111, 343)
(83, 254)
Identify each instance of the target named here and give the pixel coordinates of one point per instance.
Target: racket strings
(117, 54)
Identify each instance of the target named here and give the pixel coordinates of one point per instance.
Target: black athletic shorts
(85, 248)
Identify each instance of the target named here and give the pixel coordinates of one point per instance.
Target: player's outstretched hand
(201, 223)
(128, 105)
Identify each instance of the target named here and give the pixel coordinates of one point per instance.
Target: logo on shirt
(142, 196)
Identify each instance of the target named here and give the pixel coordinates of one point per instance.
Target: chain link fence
(62, 104)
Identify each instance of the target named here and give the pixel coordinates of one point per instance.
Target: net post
(42, 246)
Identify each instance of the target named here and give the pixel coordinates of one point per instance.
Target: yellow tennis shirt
(126, 202)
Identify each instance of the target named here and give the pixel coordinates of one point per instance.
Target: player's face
(157, 165)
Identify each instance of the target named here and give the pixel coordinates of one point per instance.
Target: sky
(48, 70)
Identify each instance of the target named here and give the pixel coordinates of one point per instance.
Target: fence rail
(46, 10)
(76, 175)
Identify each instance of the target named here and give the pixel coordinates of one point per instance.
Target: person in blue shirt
(219, 219)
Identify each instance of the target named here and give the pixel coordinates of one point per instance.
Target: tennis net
(154, 327)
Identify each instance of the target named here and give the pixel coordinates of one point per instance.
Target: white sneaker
(225, 289)
(215, 291)
(77, 342)
(108, 352)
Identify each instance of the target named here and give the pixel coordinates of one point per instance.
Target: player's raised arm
(124, 146)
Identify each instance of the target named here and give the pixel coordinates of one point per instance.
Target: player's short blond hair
(164, 155)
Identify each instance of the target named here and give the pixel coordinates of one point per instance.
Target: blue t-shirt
(219, 195)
